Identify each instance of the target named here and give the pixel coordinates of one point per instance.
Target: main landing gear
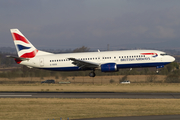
(92, 74)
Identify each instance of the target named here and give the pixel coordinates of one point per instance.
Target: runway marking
(15, 95)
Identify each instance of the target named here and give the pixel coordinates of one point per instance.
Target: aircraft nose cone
(172, 59)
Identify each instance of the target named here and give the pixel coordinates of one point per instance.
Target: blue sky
(69, 24)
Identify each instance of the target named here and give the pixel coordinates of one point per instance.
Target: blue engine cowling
(109, 67)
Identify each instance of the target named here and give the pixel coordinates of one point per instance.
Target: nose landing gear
(157, 67)
(157, 71)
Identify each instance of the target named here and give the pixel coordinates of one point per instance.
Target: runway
(158, 117)
(89, 95)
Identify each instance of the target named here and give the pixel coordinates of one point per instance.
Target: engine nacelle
(109, 67)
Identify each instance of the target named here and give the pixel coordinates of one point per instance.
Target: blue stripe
(21, 47)
(63, 68)
(119, 66)
(66, 69)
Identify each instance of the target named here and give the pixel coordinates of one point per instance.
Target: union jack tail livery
(24, 48)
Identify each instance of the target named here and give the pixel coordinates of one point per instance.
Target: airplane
(106, 61)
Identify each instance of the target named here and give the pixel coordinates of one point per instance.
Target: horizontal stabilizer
(17, 58)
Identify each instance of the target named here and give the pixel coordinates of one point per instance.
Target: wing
(84, 64)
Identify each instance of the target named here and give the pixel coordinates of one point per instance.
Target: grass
(133, 87)
(87, 79)
(53, 108)
(88, 84)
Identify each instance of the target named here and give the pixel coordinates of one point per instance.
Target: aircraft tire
(92, 74)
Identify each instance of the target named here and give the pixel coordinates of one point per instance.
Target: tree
(82, 49)
(172, 78)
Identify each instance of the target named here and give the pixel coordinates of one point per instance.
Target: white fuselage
(123, 59)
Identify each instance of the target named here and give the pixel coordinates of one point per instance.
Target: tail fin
(24, 48)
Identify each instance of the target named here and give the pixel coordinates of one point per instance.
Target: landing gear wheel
(92, 74)
(157, 72)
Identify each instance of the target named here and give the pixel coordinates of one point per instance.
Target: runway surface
(159, 117)
(89, 95)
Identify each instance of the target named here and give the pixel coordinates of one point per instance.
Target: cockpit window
(163, 54)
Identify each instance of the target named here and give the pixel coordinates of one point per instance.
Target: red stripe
(30, 55)
(19, 37)
(148, 53)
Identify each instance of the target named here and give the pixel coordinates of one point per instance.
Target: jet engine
(109, 67)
